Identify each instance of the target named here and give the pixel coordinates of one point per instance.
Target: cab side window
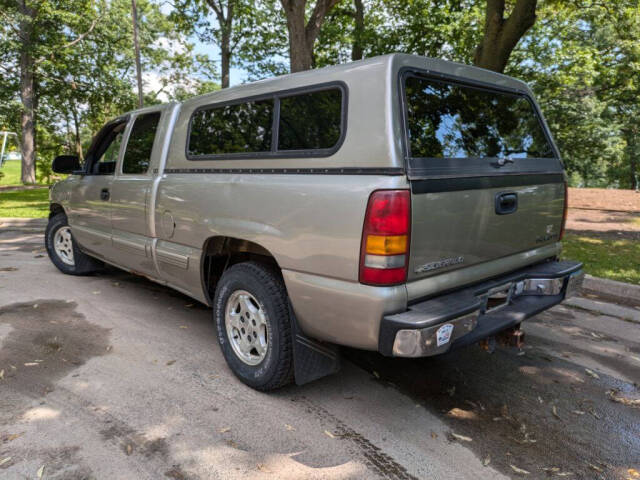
(102, 160)
(137, 156)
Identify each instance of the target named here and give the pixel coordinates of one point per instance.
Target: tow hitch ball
(511, 337)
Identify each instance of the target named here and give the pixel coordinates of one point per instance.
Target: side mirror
(65, 164)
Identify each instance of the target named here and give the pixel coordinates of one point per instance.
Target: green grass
(615, 259)
(32, 203)
(11, 170)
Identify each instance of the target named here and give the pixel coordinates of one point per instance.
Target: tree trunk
(76, 133)
(633, 160)
(501, 35)
(27, 97)
(225, 58)
(299, 54)
(302, 36)
(357, 49)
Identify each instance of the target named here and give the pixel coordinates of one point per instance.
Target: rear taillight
(564, 213)
(384, 253)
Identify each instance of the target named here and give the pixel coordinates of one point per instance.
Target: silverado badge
(446, 262)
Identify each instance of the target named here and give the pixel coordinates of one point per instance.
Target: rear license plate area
(498, 297)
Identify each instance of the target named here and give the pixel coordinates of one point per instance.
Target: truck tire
(63, 251)
(251, 314)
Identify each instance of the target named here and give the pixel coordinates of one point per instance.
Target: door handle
(104, 194)
(506, 203)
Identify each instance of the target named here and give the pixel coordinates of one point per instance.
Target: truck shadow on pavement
(531, 411)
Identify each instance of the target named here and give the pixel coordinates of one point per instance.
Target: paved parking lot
(112, 376)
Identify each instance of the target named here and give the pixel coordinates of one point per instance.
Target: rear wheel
(63, 251)
(254, 330)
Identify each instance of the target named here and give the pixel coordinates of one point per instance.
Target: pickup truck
(400, 204)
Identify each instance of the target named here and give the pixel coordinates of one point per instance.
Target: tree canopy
(68, 65)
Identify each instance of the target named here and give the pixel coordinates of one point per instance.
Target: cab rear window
(450, 120)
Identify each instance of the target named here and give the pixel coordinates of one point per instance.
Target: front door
(90, 204)
(130, 194)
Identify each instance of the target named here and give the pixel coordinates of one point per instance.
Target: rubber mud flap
(312, 359)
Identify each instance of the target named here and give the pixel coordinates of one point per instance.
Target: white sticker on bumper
(443, 335)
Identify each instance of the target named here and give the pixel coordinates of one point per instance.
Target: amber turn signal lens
(386, 244)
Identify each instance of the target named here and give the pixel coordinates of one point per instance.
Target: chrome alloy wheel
(247, 329)
(63, 245)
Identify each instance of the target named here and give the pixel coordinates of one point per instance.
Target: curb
(620, 290)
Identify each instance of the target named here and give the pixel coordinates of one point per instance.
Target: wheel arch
(55, 209)
(220, 252)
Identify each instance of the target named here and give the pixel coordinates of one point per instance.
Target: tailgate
(460, 228)
(486, 178)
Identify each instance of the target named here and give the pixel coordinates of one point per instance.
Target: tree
(501, 35)
(76, 66)
(303, 33)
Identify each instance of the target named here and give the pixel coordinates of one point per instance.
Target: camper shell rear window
(451, 120)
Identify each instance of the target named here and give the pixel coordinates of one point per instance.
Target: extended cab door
(131, 192)
(89, 211)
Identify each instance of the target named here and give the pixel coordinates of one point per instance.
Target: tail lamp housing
(384, 251)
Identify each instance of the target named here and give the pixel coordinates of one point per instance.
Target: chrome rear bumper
(471, 314)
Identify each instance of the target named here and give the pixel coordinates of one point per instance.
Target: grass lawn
(616, 259)
(25, 203)
(11, 170)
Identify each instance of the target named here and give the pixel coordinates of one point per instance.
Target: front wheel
(63, 251)
(254, 330)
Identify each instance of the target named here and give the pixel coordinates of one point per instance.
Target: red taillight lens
(564, 213)
(384, 252)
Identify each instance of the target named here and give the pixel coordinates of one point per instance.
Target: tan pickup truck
(399, 204)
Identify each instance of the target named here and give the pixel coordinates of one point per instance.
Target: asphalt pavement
(112, 376)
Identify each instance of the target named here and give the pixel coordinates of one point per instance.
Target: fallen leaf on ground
(554, 410)
(171, 362)
(96, 292)
(630, 402)
(5, 460)
(462, 414)
(519, 470)
(183, 326)
(289, 427)
(595, 468)
(224, 429)
(633, 472)
(129, 449)
(1, 374)
(486, 461)
(8, 269)
(461, 438)
(329, 434)
(40, 471)
(263, 468)
(591, 373)
(434, 435)
(11, 437)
